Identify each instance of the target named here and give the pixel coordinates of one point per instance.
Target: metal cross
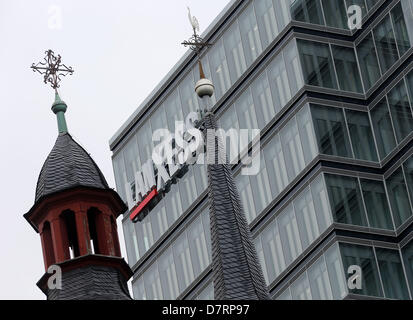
(195, 43)
(52, 68)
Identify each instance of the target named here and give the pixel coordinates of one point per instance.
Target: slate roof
(67, 166)
(237, 273)
(91, 283)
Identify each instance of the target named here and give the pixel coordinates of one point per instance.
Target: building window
(361, 135)
(261, 190)
(290, 236)
(198, 246)
(250, 34)
(331, 131)
(246, 111)
(280, 87)
(407, 253)
(347, 69)
(292, 62)
(399, 199)
(335, 13)
(345, 200)
(247, 199)
(369, 65)
(261, 94)
(168, 278)
(234, 52)
(392, 275)
(400, 111)
(152, 281)
(383, 129)
(377, 206)
(319, 280)
(317, 64)
(400, 29)
(188, 96)
(305, 127)
(386, 44)
(274, 158)
(267, 21)
(408, 171)
(307, 11)
(173, 204)
(363, 257)
(336, 272)
(183, 262)
(300, 289)
(173, 110)
(219, 69)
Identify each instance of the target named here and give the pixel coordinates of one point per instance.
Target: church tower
(75, 214)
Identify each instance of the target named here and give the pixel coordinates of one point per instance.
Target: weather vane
(195, 43)
(53, 69)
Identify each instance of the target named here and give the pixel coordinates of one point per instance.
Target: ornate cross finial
(195, 43)
(53, 69)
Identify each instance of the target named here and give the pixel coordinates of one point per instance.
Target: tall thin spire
(237, 273)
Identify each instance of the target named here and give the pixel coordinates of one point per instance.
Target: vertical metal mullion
(364, 203)
(378, 269)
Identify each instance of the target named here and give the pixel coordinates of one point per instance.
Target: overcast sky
(120, 51)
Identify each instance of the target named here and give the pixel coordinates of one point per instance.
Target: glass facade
(364, 131)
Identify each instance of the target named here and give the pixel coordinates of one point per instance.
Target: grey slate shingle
(67, 166)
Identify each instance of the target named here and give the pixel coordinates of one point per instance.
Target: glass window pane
(363, 257)
(392, 275)
(369, 64)
(345, 200)
(361, 135)
(250, 35)
(138, 288)
(286, 295)
(336, 273)
(377, 206)
(219, 69)
(120, 174)
(407, 252)
(409, 81)
(167, 273)
(331, 131)
(273, 252)
(347, 69)
(158, 119)
(400, 111)
(187, 188)
(159, 220)
(317, 64)
(319, 281)
(335, 13)
(321, 205)
(183, 262)
(228, 121)
(292, 63)
(245, 108)
(306, 218)
(173, 110)
(290, 237)
(260, 253)
(300, 289)
(198, 246)
(282, 12)
(153, 283)
(386, 44)
(400, 29)
(305, 126)
(261, 94)
(294, 157)
(408, 171)
(173, 204)
(267, 22)
(234, 52)
(278, 77)
(307, 11)
(207, 230)
(130, 241)
(247, 199)
(145, 145)
(399, 199)
(274, 158)
(261, 188)
(188, 96)
(383, 129)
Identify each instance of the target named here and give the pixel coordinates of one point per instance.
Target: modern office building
(335, 186)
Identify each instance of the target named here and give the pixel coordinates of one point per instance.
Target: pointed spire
(59, 107)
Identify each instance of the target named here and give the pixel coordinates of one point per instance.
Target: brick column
(82, 229)
(60, 240)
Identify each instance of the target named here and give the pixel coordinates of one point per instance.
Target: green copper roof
(59, 107)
